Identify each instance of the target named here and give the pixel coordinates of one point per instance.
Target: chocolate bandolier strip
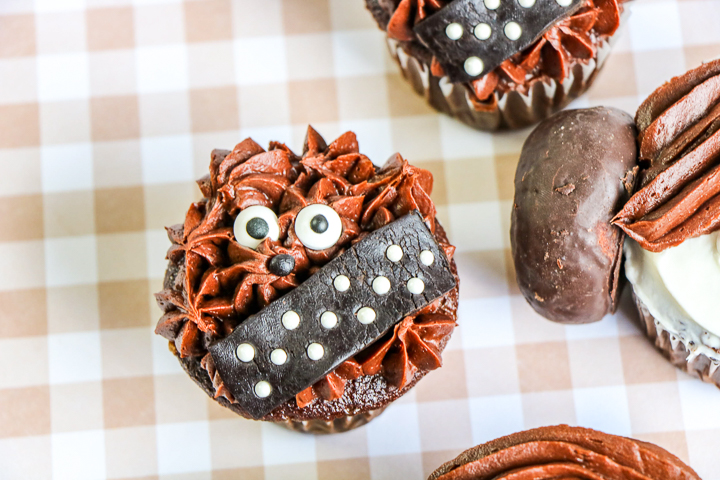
(470, 38)
(344, 307)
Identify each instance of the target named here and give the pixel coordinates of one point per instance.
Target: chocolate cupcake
(565, 452)
(497, 64)
(309, 291)
(576, 170)
(673, 221)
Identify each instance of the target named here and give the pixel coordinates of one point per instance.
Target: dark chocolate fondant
(576, 170)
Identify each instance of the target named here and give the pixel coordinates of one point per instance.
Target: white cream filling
(680, 287)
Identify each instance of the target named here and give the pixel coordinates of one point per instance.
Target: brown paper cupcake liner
(514, 109)
(676, 349)
(338, 425)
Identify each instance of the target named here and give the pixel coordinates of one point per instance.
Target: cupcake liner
(514, 109)
(338, 425)
(675, 348)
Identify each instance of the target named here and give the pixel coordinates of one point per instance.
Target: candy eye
(318, 226)
(255, 224)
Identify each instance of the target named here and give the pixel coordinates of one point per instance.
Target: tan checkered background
(108, 112)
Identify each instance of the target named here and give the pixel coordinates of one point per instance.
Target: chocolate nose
(281, 265)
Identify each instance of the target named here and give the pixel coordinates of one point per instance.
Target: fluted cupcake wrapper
(676, 349)
(514, 109)
(337, 425)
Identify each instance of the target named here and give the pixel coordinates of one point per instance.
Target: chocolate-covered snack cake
(563, 452)
(576, 170)
(497, 64)
(673, 221)
(311, 290)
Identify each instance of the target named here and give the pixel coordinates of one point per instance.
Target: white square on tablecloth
(71, 260)
(183, 447)
(67, 167)
(78, 455)
(260, 60)
(161, 68)
(63, 76)
(74, 357)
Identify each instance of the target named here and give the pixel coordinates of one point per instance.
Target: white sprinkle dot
(278, 356)
(513, 31)
(245, 352)
(526, 3)
(427, 258)
(454, 31)
(474, 66)
(366, 315)
(263, 389)
(315, 351)
(483, 31)
(341, 283)
(381, 285)
(564, 3)
(415, 286)
(491, 4)
(328, 320)
(394, 253)
(290, 320)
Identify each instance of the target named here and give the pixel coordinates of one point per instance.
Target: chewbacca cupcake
(499, 64)
(564, 452)
(673, 221)
(309, 291)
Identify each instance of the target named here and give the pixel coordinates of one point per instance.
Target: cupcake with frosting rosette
(499, 64)
(312, 290)
(565, 452)
(672, 258)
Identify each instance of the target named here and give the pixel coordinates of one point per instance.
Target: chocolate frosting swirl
(565, 452)
(573, 39)
(220, 283)
(680, 142)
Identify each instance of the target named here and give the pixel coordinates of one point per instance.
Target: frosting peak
(680, 140)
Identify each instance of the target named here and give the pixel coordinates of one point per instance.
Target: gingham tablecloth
(108, 112)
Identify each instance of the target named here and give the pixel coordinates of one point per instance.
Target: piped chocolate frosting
(680, 143)
(571, 40)
(564, 452)
(214, 282)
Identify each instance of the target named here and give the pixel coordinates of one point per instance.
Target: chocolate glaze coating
(576, 170)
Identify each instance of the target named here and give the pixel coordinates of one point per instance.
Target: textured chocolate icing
(563, 452)
(680, 141)
(213, 283)
(572, 40)
(451, 53)
(576, 170)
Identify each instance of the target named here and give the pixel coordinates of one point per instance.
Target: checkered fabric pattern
(108, 112)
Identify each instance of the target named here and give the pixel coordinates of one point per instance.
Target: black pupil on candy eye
(319, 224)
(257, 228)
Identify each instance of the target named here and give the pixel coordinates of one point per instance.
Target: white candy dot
(245, 352)
(454, 31)
(263, 389)
(278, 356)
(513, 31)
(491, 4)
(394, 253)
(526, 3)
(473, 66)
(341, 283)
(381, 285)
(415, 286)
(328, 320)
(427, 258)
(366, 315)
(483, 31)
(290, 320)
(564, 3)
(315, 351)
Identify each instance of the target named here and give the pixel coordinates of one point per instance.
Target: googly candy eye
(255, 224)
(318, 226)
